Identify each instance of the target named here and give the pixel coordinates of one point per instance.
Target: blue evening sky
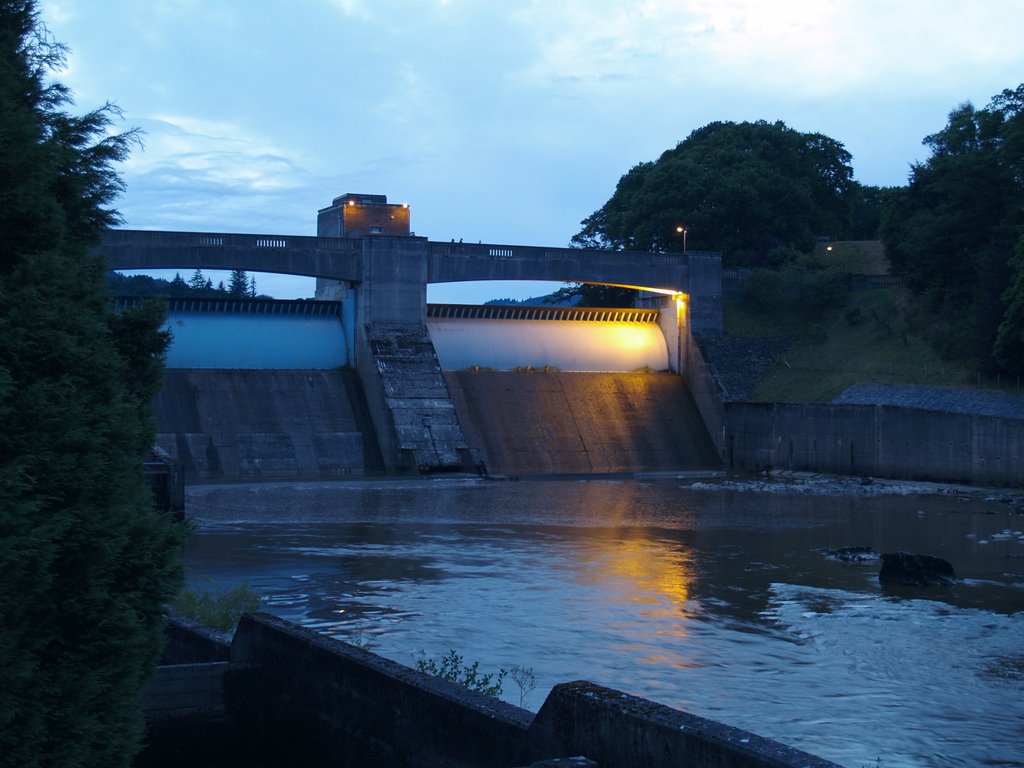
(500, 122)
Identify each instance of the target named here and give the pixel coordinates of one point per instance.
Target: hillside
(871, 336)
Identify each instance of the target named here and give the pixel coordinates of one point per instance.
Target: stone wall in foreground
(291, 696)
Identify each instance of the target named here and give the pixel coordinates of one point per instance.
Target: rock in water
(915, 570)
(853, 554)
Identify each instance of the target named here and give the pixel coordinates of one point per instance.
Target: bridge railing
(153, 239)
(539, 253)
(532, 312)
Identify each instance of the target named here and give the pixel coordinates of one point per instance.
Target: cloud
(357, 9)
(801, 47)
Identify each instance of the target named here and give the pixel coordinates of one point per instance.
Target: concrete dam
(262, 391)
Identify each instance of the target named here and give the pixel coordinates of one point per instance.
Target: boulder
(915, 570)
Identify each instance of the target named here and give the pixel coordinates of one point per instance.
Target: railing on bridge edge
(148, 238)
(494, 251)
(523, 312)
(241, 306)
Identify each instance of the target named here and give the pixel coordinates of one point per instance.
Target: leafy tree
(741, 188)
(867, 208)
(1009, 347)
(952, 230)
(86, 564)
(591, 295)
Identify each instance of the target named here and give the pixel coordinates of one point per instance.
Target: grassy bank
(867, 337)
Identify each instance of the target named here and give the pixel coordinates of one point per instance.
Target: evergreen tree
(86, 565)
(197, 282)
(238, 283)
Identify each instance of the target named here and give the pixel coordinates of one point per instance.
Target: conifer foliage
(86, 565)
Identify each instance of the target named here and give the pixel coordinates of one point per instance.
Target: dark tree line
(762, 193)
(240, 285)
(955, 232)
(86, 565)
(750, 190)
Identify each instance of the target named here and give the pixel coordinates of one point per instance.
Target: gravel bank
(949, 399)
(741, 362)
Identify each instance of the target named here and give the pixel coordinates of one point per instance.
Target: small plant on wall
(215, 605)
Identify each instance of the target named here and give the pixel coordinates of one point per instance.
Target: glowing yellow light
(630, 335)
(351, 202)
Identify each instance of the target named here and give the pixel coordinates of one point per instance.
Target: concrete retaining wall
(294, 697)
(875, 440)
(617, 730)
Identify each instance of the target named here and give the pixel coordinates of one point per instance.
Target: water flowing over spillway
(709, 598)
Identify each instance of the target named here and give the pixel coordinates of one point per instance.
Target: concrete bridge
(391, 273)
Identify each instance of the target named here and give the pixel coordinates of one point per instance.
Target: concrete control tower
(355, 215)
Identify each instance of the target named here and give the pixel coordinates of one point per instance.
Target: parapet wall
(295, 697)
(875, 440)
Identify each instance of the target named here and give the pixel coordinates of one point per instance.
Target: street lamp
(682, 230)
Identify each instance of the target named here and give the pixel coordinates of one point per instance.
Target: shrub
(216, 606)
(451, 667)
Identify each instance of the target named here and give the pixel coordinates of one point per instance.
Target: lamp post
(682, 230)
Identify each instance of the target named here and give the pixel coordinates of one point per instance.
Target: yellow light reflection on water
(636, 570)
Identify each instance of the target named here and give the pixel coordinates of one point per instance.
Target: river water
(711, 597)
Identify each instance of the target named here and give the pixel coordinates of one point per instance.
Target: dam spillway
(535, 390)
(581, 423)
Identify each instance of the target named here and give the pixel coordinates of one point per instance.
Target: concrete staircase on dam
(413, 400)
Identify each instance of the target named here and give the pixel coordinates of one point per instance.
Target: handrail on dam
(242, 306)
(541, 253)
(163, 239)
(522, 312)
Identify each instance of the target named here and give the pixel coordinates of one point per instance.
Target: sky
(499, 122)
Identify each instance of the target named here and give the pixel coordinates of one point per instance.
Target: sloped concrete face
(264, 424)
(579, 423)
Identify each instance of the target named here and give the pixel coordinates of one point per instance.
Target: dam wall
(272, 425)
(505, 345)
(265, 425)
